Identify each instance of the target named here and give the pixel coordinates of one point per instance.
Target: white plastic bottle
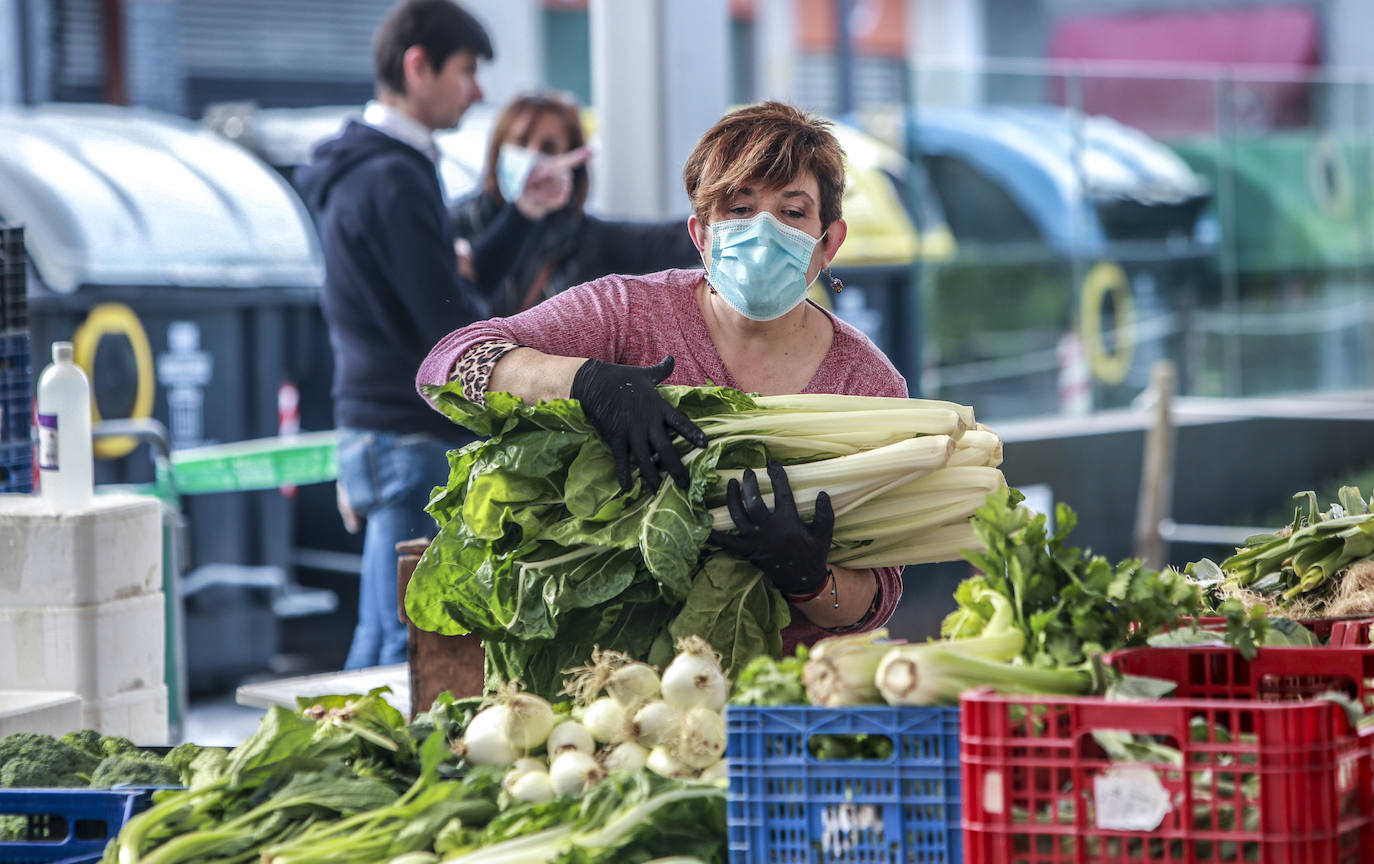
(64, 433)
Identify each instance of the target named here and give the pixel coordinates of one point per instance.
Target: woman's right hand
(623, 404)
(550, 184)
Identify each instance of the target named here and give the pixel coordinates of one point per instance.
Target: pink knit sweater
(637, 320)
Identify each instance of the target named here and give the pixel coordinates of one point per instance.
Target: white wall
(776, 49)
(516, 28)
(660, 78)
(950, 37)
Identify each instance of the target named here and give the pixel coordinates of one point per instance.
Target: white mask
(513, 167)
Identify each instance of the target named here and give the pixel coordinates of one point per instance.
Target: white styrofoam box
(108, 551)
(95, 651)
(139, 715)
(48, 711)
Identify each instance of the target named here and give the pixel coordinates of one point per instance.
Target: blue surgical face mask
(513, 166)
(758, 265)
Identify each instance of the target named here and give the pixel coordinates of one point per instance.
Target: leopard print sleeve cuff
(473, 369)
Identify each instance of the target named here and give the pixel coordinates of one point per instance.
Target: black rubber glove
(788, 551)
(621, 402)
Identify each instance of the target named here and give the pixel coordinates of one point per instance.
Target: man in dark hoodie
(392, 290)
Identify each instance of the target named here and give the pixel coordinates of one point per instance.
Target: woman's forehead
(528, 122)
(805, 182)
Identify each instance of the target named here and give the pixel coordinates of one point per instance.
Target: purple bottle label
(47, 442)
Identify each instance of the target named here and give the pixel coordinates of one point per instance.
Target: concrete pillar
(660, 78)
(1347, 52)
(155, 74)
(11, 57)
(517, 34)
(776, 48)
(35, 29)
(947, 42)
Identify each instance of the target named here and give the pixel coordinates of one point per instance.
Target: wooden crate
(437, 663)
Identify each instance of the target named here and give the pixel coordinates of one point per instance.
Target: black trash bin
(186, 273)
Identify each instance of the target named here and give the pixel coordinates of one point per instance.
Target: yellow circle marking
(1103, 279)
(116, 319)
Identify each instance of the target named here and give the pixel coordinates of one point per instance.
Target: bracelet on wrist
(806, 598)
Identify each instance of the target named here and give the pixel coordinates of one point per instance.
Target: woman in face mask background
(765, 184)
(525, 236)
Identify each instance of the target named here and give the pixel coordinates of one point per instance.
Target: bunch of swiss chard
(542, 555)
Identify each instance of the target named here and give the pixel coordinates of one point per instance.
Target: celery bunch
(1068, 604)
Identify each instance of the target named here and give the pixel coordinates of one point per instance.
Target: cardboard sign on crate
(1243, 764)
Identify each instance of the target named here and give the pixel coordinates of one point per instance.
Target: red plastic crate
(1263, 777)
(1334, 632)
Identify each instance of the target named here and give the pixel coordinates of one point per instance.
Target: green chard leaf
(732, 606)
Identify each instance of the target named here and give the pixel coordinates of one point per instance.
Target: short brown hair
(530, 106)
(441, 27)
(770, 144)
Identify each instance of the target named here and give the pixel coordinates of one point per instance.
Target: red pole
(113, 90)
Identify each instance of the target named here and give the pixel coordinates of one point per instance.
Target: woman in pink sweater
(765, 185)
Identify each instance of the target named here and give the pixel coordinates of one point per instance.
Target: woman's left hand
(550, 184)
(791, 553)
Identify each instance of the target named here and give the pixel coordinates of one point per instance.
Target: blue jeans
(388, 479)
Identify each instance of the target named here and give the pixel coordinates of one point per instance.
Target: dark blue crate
(16, 467)
(16, 388)
(67, 825)
(785, 805)
(14, 314)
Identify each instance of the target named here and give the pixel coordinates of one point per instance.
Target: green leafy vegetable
(1070, 605)
(1300, 568)
(765, 681)
(541, 555)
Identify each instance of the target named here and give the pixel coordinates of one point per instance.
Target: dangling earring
(835, 282)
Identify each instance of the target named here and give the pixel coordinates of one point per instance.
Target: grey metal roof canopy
(123, 196)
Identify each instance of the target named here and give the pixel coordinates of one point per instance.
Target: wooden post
(1157, 470)
(437, 663)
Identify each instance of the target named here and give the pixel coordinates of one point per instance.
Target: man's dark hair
(441, 27)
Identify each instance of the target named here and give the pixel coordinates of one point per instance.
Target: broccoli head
(208, 766)
(179, 758)
(114, 745)
(85, 739)
(134, 769)
(30, 759)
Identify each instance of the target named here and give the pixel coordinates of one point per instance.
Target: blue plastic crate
(67, 825)
(785, 805)
(16, 467)
(16, 388)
